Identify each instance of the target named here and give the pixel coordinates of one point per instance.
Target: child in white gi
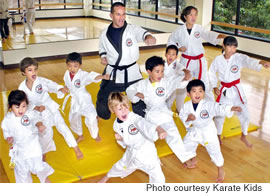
(81, 101)
(154, 91)
(30, 14)
(137, 136)
(20, 128)
(188, 38)
(174, 67)
(197, 116)
(36, 89)
(228, 66)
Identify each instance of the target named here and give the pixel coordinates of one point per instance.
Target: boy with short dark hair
(154, 91)
(197, 116)
(81, 101)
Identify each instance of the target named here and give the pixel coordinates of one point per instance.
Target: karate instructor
(119, 51)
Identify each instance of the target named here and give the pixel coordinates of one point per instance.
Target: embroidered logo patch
(174, 65)
(39, 89)
(204, 114)
(160, 91)
(129, 42)
(77, 83)
(197, 34)
(25, 120)
(132, 129)
(234, 68)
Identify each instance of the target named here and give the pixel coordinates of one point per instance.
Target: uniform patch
(129, 42)
(204, 114)
(197, 34)
(174, 65)
(234, 68)
(132, 129)
(160, 91)
(39, 89)
(77, 83)
(25, 120)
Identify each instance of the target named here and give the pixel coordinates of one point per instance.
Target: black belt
(115, 68)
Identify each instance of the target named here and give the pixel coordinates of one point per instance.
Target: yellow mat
(98, 156)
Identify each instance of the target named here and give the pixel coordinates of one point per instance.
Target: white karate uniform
(27, 153)
(203, 130)
(193, 43)
(228, 72)
(51, 115)
(81, 102)
(4, 9)
(30, 14)
(175, 68)
(157, 112)
(127, 55)
(138, 140)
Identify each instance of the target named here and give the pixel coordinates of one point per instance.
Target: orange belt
(194, 58)
(229, 85)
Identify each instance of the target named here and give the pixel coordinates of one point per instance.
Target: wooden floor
(241, 164)
(55, 30)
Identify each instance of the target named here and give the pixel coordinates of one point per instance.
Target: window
(148, 5)
(132, 4)
(108, 2)
(74, 6)
(167, 6)
(52, 2)
(247, 13)
(172, 7)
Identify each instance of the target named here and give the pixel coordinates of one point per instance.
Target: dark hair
(230, 41)
(186, 12)
(195, 83)
(172, 47)
(153, 62)
(117, 4)
(16, 97)
(74, 57)
(26, 62)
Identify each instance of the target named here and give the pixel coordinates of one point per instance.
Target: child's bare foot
(188, 164)
(219, 139)
(44, 157)
(47, 180)
(98, 139)
(194, 161)
(78, 153)
(245, 141)
(221, 175)
(79, 139)
(104, 179)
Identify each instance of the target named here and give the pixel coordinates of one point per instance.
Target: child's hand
(236, 109)
(216, 91)
(64, 90)
(187, 74)
(10, 140)
(162, 134)
(182, 49)
(40, 127)
(191, 117)
(150, 40)
(39, 108)
(265, 64)
(140, 95)
(104, 61)
(118, 137)
(106, 77)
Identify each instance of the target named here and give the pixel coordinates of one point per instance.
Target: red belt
(194, 58)
(229, 85)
